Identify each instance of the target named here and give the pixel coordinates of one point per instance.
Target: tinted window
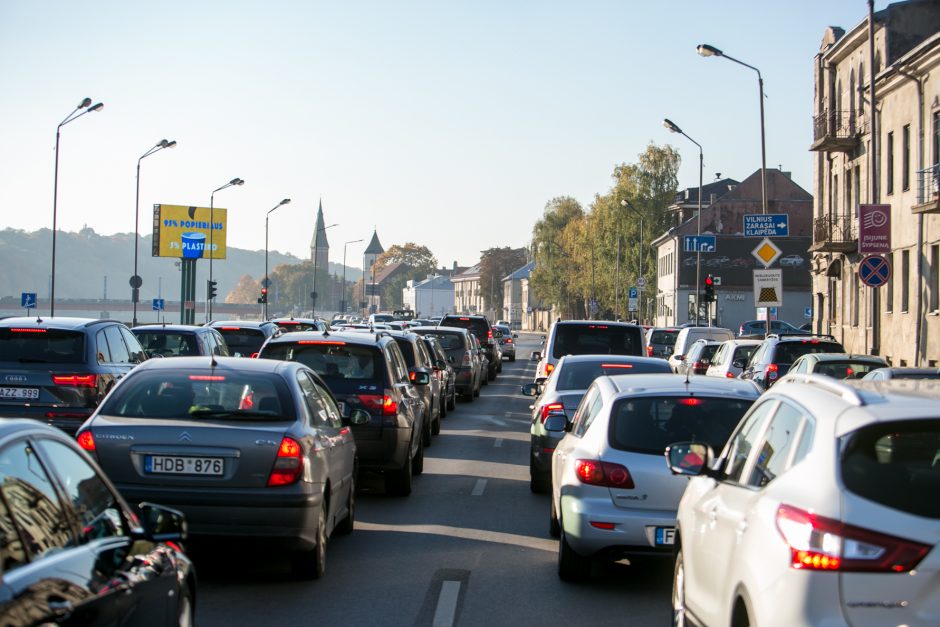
(588, 410)
(664, 337)
(743, 441)
(895, 464)
(479, 326)
(243, 341)
(119, 354)
(596, 339)
(778, 442)
(331, 360)
(33, 345)
(788, 352)
(407, 351)
(648, 425)
(580, 375)
(103, 353)
(12, 552)
(132, 344)
(289, 326)
(743, 353)
(449, 341)
(168, 344)
(180, 394)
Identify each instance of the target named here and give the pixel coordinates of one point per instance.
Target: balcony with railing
(838, 130)
(835, 234)
(928, 190)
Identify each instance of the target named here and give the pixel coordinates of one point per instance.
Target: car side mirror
(515, 335)
(531, 389)
(556, 423)
(678, 357)
(359, 417)
(451, 360)
(422, 378)
(535, 356)
(689, 458)
(161, 524)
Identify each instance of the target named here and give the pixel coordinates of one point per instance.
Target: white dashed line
(447, 604)
(479, 487)
(498, 442)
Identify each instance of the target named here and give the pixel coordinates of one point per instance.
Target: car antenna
(687, 377)
(326, 333)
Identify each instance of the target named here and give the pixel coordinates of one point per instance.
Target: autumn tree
(246, 291)
(495, 265)
(409, 254)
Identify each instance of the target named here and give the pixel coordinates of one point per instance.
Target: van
(589, 337)
(689, 336)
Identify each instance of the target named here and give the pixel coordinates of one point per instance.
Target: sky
(446, 123)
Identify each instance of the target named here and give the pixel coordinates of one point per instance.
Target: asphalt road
(470, 546)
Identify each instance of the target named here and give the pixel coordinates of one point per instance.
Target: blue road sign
(28, 300)
(874, 271)
(158, 304)
(766, 225)
(633, 293)
(699, 243)
(808, 313)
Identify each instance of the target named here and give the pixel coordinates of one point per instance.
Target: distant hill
(87, 264)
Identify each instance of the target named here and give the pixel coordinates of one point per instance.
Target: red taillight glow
(379, 401)
(691, 402)
(87, 441)
(606, 526)
(206, 377)
(616, 365)
(729, 375)
(464, 319)
(819, 543)
(329, 342)
(549, 408)
(649, 351)
(78, 380)
(27, 330)
(549, 368)
(411, 375)
(605, 474)
(289, 465)
(230, 328)
(771, 371)
(597, 326)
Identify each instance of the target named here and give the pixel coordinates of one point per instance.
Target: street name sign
(874, 229)
(700, 243)
(766, 252)
(768, 288)
(874, 271)
(766, 225)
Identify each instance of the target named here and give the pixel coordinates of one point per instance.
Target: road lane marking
(447, 604)
(498, 442)
(548, 545)
(479, 487)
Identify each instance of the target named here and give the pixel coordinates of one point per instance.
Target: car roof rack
(779, 335)
(847, 393)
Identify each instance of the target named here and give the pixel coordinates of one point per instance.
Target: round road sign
(136, 281)
(874, 271)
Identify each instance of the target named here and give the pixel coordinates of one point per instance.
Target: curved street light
(233, 182)
(673, 128)
(136, 281)
(84, 106)
(265, 283)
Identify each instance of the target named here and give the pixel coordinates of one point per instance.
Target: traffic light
(264, 296)
(709, 296)
(211, 287)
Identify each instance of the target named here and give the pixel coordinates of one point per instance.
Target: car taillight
(552, 407)
(604, 474)
(771, 372)
(819, 543)
(289, 465)
(697, 365)
(729, 375)
(383, 402)
(87, 441)
(549, 368)
(649, 351)
(78, 380)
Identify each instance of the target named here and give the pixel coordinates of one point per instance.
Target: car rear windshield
(168, 344)
(580, 375)
(294, 325)
(895, 464)
(743, 353)
(449, 341)
(847, 369)
(32, 345)
(209, 394)
(382, 317)
(596, 339)
(787, 352)
(664, 337)
(478, 326)
(242, 341)
(649, 424)
(334, 361)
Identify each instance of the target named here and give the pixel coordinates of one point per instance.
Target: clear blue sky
(450, 124)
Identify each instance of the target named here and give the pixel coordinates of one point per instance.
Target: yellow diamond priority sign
(766, 252)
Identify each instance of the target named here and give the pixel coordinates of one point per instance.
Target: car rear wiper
(233, 413)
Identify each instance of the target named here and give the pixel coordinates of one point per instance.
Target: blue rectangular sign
(633, 293)
(699, 243)
(158, 304)
(766, 225)
(28, 300)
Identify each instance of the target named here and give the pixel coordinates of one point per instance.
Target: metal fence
(928, 184)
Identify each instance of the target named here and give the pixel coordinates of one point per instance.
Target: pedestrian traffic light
(211, 289)
(264, 296)
(709, 296)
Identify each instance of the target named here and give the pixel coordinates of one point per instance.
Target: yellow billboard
(185, 232)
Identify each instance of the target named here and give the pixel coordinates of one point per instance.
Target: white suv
(823, 509)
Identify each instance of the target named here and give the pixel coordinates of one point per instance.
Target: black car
(180, 340)
(445, 372)
(73, 551)
(458, 345)
(418, 360)
(291, 324)
(367, 371)
(480, 327)
(244, 337)
(57, 370)
(776, 354)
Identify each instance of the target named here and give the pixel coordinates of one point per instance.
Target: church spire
(319, 245)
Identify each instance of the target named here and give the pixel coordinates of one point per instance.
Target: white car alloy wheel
(678, 593)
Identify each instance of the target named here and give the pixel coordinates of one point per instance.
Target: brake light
(411, 375)
(78, 380)
(549, 368)
(254, 355)
(87, 441)
(729, 375)
(464, 319)
(489, 334)
(691, 402)
(616, 365)
(289, 465)
(27, 330)
(771, 372)
(509, 340)
(819, 543)
(697, 365)
(604, 474)
(330, 342)
(206, 377)
(383, 402)
(597, 326)
(547, 409)
(849, 372)
(649, 351)
(230, 328)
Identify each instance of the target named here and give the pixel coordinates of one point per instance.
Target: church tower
(373, 250)
(319, 246)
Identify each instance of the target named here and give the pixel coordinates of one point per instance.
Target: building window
(849, 205)
(889, 287)
(856, 301)
(835, 195)
(858, 188)
(935, 277)
(906, 157)
(905, 279)
(936, 137)
(889, 163)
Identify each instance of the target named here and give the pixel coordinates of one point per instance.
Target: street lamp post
(234, 181)
(265, 283)
(710, 51)
(316, 255)
(136, 281)
(84, 106)
(669, 124)
(343, 300)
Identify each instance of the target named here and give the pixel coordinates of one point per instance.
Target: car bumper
(68, 419)
(388, 452)
(633, 533)
(463, 381)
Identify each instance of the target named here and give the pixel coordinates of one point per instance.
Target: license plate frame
(665, 536)
(184, 465)
(19, 393)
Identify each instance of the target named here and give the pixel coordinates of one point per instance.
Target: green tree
(410, 254)
(495, 265)
(553, 278)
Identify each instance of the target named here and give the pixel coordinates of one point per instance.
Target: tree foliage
(246, 291)
(410, 254)
(495, 265)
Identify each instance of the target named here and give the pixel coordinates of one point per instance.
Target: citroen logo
(185, 437)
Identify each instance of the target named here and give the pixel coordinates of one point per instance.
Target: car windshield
(847, 369)
(242, 341)
(332, 360)
(650, 424)
(168, 344)
(744, 353)
(788, 352)
(449, 341)
(41, 346)
(288, 326)
(664, 337)
(895, 464)
(596, 339)
(206, 394)
(580, 375)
